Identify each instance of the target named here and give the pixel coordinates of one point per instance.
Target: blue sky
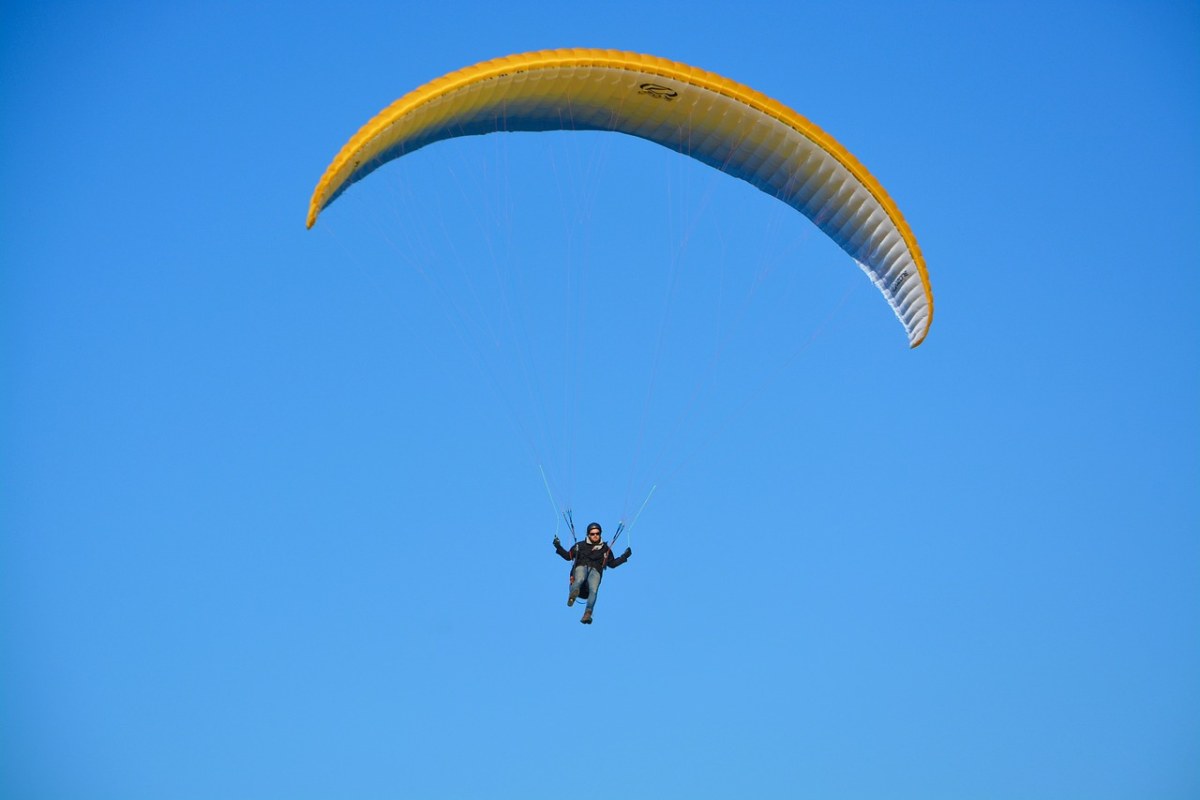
(271, 516)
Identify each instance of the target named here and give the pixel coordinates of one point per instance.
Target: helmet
(594, 526)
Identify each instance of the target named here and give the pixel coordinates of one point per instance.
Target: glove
(557, 543)
(628, 552)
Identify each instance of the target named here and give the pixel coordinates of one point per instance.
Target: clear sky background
(272, 522)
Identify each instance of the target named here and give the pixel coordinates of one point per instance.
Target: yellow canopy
(710, 118)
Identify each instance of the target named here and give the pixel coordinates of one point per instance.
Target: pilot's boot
(587, 617)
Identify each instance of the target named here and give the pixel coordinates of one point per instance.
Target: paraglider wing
(710, 118)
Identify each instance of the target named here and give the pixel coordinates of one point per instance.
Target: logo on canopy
(658, 91)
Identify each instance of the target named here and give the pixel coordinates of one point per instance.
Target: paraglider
(717, 121)
(589, 559)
